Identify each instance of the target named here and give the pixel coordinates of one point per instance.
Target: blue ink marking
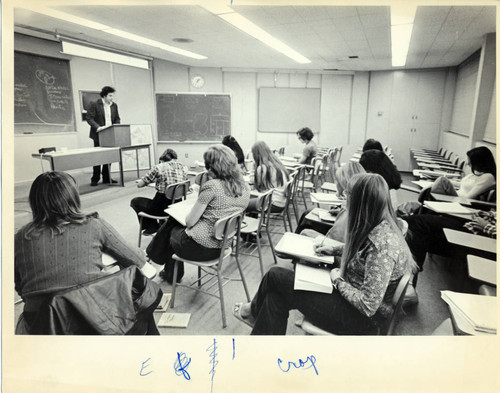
(143, 366)
(234, 349)
(302, 363)
(213, 355)
(181, 365)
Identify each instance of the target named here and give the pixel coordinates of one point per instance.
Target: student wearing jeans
(167, 172)
(374, 259)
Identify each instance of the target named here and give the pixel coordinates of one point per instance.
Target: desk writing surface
(451, 198)
(470, 240)
(482, 269)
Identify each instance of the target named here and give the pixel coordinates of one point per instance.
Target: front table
(83, 158)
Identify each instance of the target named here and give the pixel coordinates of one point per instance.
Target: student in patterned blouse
(374, 258)
(224, 194)
(167, 172)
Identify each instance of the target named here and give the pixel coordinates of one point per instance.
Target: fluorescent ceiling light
(110, 30)
(402, 18)
(99, 54)
(255, 31)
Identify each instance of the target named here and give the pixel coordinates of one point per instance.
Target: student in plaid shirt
(483, 223)
(167, 172)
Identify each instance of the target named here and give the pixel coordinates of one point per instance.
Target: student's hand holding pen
(325, 249)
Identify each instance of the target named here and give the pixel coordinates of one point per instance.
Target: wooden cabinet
(405, 111)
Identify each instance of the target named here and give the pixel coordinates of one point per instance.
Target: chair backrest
(397, 303)
(281, 151)
(201, 178)
(177, 191)
(264, 206)
(228, 227)
(489, 195)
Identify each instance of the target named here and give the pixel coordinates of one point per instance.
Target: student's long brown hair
(265, 159)
(221, 163)
(54, 202)
(368, 203)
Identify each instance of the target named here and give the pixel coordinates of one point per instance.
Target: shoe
(411, 297)
(93, 183)
(169, 277)
(112, 181)
(250, 320)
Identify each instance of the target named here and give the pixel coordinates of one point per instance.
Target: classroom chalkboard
(43, 99)
(193, 117)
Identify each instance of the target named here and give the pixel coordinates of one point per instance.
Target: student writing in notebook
(374, 258)
(270, 174)
(224, 194)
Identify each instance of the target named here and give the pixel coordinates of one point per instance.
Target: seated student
(62, 247)
(233, 144)
(337, 231)
(426, 235)
(372, 144)
(305, 135)
(482, 178)
(270, 174)
(224, 194)
(167, 172)
(376, 161)
(374, 258)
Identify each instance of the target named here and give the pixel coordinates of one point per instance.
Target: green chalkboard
(193, 117)
(43, 98)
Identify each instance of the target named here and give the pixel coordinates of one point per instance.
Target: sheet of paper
(164, 302)
(170, 319)
(180, 210)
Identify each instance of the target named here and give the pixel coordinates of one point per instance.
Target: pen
(321, 245)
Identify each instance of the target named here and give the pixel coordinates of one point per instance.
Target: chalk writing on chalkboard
(42, 92)
(193, 117)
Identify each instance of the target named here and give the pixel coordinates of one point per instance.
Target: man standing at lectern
(101, 114)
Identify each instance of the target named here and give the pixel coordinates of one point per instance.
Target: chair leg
(260, 255)
(284, 221)
(271, 245)
(221, 298)
(290, 220)
(199, 277)
(174, 284)
(304, 199)
(242, 277)
(140, 232)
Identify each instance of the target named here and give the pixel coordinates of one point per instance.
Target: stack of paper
(164, 302)
(174, 320)
(472, 311)
(309, 278)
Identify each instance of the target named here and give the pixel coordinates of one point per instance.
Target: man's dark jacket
(96, 118)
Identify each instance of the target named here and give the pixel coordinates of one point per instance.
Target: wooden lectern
(117, 135)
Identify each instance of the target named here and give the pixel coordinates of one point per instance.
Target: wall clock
(197, 81)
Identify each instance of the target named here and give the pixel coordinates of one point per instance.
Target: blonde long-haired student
(374, 258)
(225, 193)
(270, 174)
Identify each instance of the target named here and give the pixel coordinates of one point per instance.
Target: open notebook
(302, 247)
(472, 311)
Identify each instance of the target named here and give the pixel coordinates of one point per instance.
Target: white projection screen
(289, 109)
